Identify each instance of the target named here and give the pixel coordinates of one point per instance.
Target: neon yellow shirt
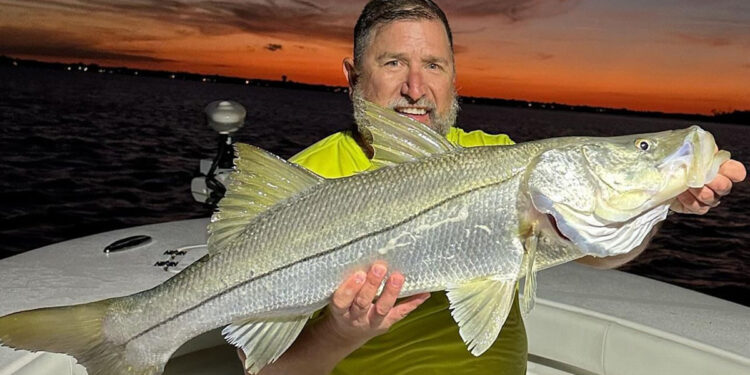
(427, 340)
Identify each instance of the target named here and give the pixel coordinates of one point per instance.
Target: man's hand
(355, 316)
(700, 200)
(693, 201)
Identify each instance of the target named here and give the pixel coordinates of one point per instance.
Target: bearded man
(403, 60)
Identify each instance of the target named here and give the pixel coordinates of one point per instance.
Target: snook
(470, 221)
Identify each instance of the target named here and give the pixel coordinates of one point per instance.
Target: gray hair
(380, 12)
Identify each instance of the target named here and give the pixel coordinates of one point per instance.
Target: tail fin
(74, 330)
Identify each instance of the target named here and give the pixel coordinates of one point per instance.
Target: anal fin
(264, 341)
(480, 308)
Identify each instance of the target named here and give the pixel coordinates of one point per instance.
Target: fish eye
(643, 144)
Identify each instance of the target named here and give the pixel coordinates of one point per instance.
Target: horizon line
(532, 104)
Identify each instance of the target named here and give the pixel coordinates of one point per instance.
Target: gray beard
(439, 123)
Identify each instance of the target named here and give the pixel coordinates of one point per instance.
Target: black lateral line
(317, 255)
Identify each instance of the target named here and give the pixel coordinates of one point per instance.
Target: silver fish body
(471, 221)
(291, 259)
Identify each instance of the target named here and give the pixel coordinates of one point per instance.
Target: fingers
(733, 170)
(705, 196)
(713, 191)
(406, 306)
(353, 314)
(344, 296)
(689, 204)
(720, 186)
(363, 301)
(387, 298)
(700, 200)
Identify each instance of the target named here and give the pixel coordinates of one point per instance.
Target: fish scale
(468, 221)
(388, 181)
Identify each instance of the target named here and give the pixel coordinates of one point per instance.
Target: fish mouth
(707, 158)
(681, 157)
(697, 161)
(678, 163)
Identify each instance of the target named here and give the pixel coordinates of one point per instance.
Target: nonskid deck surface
(600, 315)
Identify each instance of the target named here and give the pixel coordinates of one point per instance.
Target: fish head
(637, 172)
(606, 194)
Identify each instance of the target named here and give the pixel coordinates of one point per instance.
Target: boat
(585, 321)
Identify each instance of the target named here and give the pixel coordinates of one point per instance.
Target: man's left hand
(700, 200)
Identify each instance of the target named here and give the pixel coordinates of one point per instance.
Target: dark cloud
(220, 65)
(459, 49)
(295, 17)
(273, 47)
(323, 19)
(544, 56)
(270, 19)
(468, 31)
(53, 43)
(511, 10)
(711, 41)
(310, 4)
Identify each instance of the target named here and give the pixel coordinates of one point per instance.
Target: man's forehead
(431, 32)
(431, 29)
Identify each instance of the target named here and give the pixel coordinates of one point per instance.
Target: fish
(470, 221)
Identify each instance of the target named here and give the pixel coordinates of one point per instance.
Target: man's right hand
(356, 316)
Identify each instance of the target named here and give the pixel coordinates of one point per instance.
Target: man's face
(408, 66)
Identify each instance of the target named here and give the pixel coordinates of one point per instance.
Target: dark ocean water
(82, 153)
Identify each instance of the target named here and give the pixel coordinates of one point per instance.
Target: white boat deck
(620, 323)
(585, 321)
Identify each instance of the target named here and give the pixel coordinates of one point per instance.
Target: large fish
(470, 221)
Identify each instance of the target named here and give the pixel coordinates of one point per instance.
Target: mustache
(402, 102)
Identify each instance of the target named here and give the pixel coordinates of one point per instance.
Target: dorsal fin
(259, 180)
(395, 138)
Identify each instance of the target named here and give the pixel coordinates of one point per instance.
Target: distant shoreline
(741, 117)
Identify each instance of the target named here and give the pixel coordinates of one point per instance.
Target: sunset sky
(690, 56)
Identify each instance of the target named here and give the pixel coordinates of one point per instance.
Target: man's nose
(413, 86)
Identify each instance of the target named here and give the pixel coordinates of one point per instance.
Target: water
(83, 153)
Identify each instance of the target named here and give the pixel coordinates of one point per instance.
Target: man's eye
(391, 63)
(433, 66)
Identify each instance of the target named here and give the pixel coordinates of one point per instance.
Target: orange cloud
(544, 50)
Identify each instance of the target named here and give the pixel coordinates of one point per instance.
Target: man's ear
(350, 73)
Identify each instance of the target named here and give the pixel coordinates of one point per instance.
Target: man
(403, 59)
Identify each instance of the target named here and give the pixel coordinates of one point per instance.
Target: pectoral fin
(263, 342)
(397, 139)
(480, 308)
(529, 285)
